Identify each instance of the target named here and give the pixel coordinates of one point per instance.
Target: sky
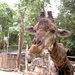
(53, 8)
(9, 2)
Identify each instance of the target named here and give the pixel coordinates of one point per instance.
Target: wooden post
(26, 61)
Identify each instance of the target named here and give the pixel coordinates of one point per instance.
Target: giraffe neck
(58, 55)
(53, 50)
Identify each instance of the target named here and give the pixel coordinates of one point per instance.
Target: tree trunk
(21, 34)
(20, 45)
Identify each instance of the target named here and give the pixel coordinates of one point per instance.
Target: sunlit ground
(9, 73)
(13, 73)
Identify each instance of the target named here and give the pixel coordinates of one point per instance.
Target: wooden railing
(72, 60)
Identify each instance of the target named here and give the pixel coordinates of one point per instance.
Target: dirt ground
(9, 73)
(12, 73)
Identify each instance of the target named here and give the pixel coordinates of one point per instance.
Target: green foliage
(13, 32)
(1, 40)
(71, 43)
(10, 20)
(13, 47)
(66, 20)
(6, 16)
(6, 20)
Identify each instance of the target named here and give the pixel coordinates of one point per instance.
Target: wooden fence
(8, 61)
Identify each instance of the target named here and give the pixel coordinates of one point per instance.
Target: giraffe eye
(53, 31)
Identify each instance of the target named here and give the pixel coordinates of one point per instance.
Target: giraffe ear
(63, 33)
(31, 30)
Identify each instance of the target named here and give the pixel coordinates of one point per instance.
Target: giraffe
(45, 32)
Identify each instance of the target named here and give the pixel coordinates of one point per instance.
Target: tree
(27, 17)
(6, 19)
(66, 19)
(6, 16)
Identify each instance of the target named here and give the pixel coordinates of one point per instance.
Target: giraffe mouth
(36, 49)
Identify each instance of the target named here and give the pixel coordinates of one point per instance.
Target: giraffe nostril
(39, 42)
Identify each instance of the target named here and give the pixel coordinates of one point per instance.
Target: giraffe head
(45, 32)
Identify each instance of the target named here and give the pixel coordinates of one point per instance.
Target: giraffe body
(45, 38)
